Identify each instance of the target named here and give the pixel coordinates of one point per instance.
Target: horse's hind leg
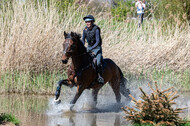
(95, 95)
(124, 91)
(80, 89)
(116, 89)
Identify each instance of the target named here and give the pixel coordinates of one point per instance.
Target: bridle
(65, 51)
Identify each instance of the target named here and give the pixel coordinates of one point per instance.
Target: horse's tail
(123, 81)
(122, 78)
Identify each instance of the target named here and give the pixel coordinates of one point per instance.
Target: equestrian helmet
(89, 18)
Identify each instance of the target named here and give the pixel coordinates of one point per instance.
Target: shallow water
(41, 110)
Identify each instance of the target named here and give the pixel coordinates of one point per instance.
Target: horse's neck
(80, 61)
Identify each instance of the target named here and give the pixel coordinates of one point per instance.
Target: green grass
(28, 103)
(30, 83)
(9, 118)
(164, 77)
(45, 82)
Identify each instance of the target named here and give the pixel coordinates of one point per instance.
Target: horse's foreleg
(58, 90)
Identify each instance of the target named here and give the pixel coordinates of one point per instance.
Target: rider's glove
(88, 50)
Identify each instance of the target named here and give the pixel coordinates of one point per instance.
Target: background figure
(140, 10)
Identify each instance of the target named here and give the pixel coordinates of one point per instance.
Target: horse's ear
(79, 35)
(65, 34)
(72, 34)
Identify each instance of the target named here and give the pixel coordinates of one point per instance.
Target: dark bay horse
(82, 73)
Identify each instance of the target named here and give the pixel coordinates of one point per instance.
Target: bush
(123, 9)
(174, 11)
(8, 118)
(155, 109)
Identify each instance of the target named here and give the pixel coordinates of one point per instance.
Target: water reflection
(87, 119)
(32, 111)
(28, 109)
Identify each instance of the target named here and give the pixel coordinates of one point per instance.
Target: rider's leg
(139, 20)
(142, 16)
(100, 69)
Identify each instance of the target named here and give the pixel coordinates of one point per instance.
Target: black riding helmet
(89, 18)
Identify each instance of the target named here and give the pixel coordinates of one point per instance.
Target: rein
(84, 67)
(80, 54)
(80, 69)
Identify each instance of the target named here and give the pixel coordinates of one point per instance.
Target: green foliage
(123, 9)
(6, 5)
(62, 5)
(174, 11)
(8, 118)
(30, 82)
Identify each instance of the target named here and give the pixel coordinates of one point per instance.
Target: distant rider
(92, 35)
(140, 10)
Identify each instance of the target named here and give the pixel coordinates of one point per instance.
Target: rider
(92, 34)
(140, 5)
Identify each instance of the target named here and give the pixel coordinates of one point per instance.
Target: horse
(82, 73)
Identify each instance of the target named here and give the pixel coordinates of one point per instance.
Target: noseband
(71, 51)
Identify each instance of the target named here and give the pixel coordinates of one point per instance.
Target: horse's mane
(78, 37)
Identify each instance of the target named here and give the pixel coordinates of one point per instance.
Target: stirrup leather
(100, 80)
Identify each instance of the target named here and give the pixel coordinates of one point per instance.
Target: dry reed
(31, 39)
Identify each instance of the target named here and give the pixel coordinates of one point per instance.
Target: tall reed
(31, 38)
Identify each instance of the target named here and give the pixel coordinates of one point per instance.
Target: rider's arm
(83, 38)
(136, 4)
(97, 39)
(144, 6)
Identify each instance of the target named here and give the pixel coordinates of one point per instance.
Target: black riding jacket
(92, 36)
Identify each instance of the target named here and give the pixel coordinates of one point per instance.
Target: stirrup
(100, 80)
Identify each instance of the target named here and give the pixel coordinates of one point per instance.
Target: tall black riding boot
(100, 72)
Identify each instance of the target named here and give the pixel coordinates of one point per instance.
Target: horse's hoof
(57, 101)
(71, 107)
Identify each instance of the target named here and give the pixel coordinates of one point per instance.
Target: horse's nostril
(64, 61)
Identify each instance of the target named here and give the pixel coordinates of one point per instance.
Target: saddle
(93, 60)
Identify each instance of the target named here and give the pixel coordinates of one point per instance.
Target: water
(41, 110)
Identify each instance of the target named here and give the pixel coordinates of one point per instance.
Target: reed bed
(31, 40)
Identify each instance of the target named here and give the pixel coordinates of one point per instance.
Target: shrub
(123, 9)
(8, 118)
(155, 109)
(173, 11)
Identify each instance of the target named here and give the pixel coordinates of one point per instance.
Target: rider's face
(89, 24)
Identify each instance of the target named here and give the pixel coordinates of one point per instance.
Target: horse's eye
(73, 46)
